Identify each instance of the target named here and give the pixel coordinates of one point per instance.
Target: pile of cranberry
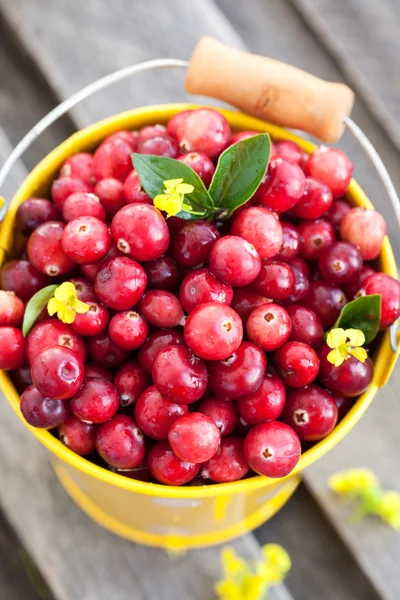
(205, 340)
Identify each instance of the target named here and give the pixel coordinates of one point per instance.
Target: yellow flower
(66, 303)
(172, 202)
(232, 564)
(345, 343)
(389, 508)
(275, 565)
(354, 482)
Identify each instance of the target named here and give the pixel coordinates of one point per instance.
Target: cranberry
(315, 236)
(297, 364)
(174, 123)
(306, 325)
(33, 212)
(12, 344)
(191, 245)
(111, 194)
(84, 289)
(311, 412)
(86, 240)
(194, 437)
(352, 288)
(178, 375)
(228, 463)
(213, 331)
(168, 468)
(276, 280)
(155, 415)
(162, 273)
(130, 381)
(389, 289)
(200, 287)
(82, 204)
(240, 136)
(102, 350)
(93, 322)
(53, 332)
(301, 279)
(240, 374)
(331, 166)
(22, 378)
(20, 277)
(156, 342)
(340, 263)
(161, 309)
(79, 166)
(120, 283)
(141, 231)
(78, 436)
(40, 411)
(234, 260)
(11, 309)
(162, 145)
(343, 404)
(203, 130)
(261, 228)
(96, 401)
(289, 151)
(290, 242)
(265, 404)
(224, 414)
(364, 228)
(283, 187)
(130, 137)
(272, 449)
(95, 370)
(65, 186)
(326, 300)
(245, 300)
(269, 326)
(57, 372)
(133, 191)
(201, 164)
(128, 330)
(151, 131)
(350, 379)
(113, 159)
(316, 200)
(90, 271)
(337, 211)
(45, 249)
(120, 442)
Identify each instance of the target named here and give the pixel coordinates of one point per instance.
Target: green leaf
(239, 172)
(35, 306)
(363, 313)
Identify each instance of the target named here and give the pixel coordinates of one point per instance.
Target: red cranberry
(113, 159)
(265, 404)
(133, 191)
(86, 240)
(289, 151)
(343, 404)
(82, 204)
(311, 412)
(364, 228)
(65, 186)
(168, 468)
(128, 330)
(130, 137)
(174, 123)
(156, 342)
(290, 242)
(331, 166)
(21, 378)
(350, 379)
(93, 322)
(162, 273)
(20, 277)
(96, 401)
(201, 164)
(272, 449)
(111, 194)
(224, 414)
(151, 131)
(102, 350)
(40, 411)
(276, 280)
(155, 415)
(90, 271)
(120, 442)
(11, 309)
(84, 289)
(213, 331)
(228, 463)
(234, 260)
(12, 344)
(337, 211)
(261, 228)
(326, 300)
(162, 145)
(352, 288)
(240, 136)
(33, 212)
(120, 283)
(79, 166)
(315, 236)
(306, 325)
(194, 437)
(203, 130)
(283, 187)
(245, 300)
(240, 374)
(179, 376)
(161, 309)
(191, 245)
(389, 289)
(269, 326)
(45, 249)
(95, 370)
(297, 364)
(340, 263)
(316, 200)
(78, 436)
(57, 372)
(53, 332)
(200, 287)
(130, 381)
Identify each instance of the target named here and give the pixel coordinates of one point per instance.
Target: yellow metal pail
(153, 514)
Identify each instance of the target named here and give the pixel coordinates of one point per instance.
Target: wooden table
(49, 50)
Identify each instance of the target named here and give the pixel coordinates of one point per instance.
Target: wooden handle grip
(269, 89)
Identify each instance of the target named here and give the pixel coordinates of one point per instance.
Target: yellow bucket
(153, 514)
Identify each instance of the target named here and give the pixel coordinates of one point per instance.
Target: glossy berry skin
(79, 166)
(365, 229)
(228, 463)
(235, 261)
(306, 325)
(93, 322)
(337, 212)
(155, 415)
(156, 342)
(53, 332)
(130, 137)
(103, 351)
(11, 309)
(340, 263)
(194, 437)
(290, 247)
(162, 274)
(289, 151)
(179, 376)
(283, 187)
(276, 280)
(96, 401)
(261, 228)
(315, 236)
(86, 240)
(120, 283)
(45, 250)
(352, 288)
(245, 300)
(224, 414)
(110, 192)
(296, 364)
(350, 379)
(12, 344)
(140, 230)
(301, 272)
(161, 309)
(42, 412)
(174, 123)
(33, 212)
(265, 404)
(133, 191)
(240, 374)
(315, 201)
(168, 468)
(240, 136)
(128, 330)
(65, 186)
(343, 404)
(331, 166)
(272, 449)
(120, 442)
(57, 372)
(269, 326)
(203, 130)
(82, 204)
(201, 164)
(311, 412)
(113, 159)
(84, 289)
(191, 244)
(21, 378)
(149, 132)
(78, 436)
(213, 331)
(389, 288)
(20, 277)
(130, 380)
(201, 286)
(161, 145)
(326, 300)
(95, 370)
